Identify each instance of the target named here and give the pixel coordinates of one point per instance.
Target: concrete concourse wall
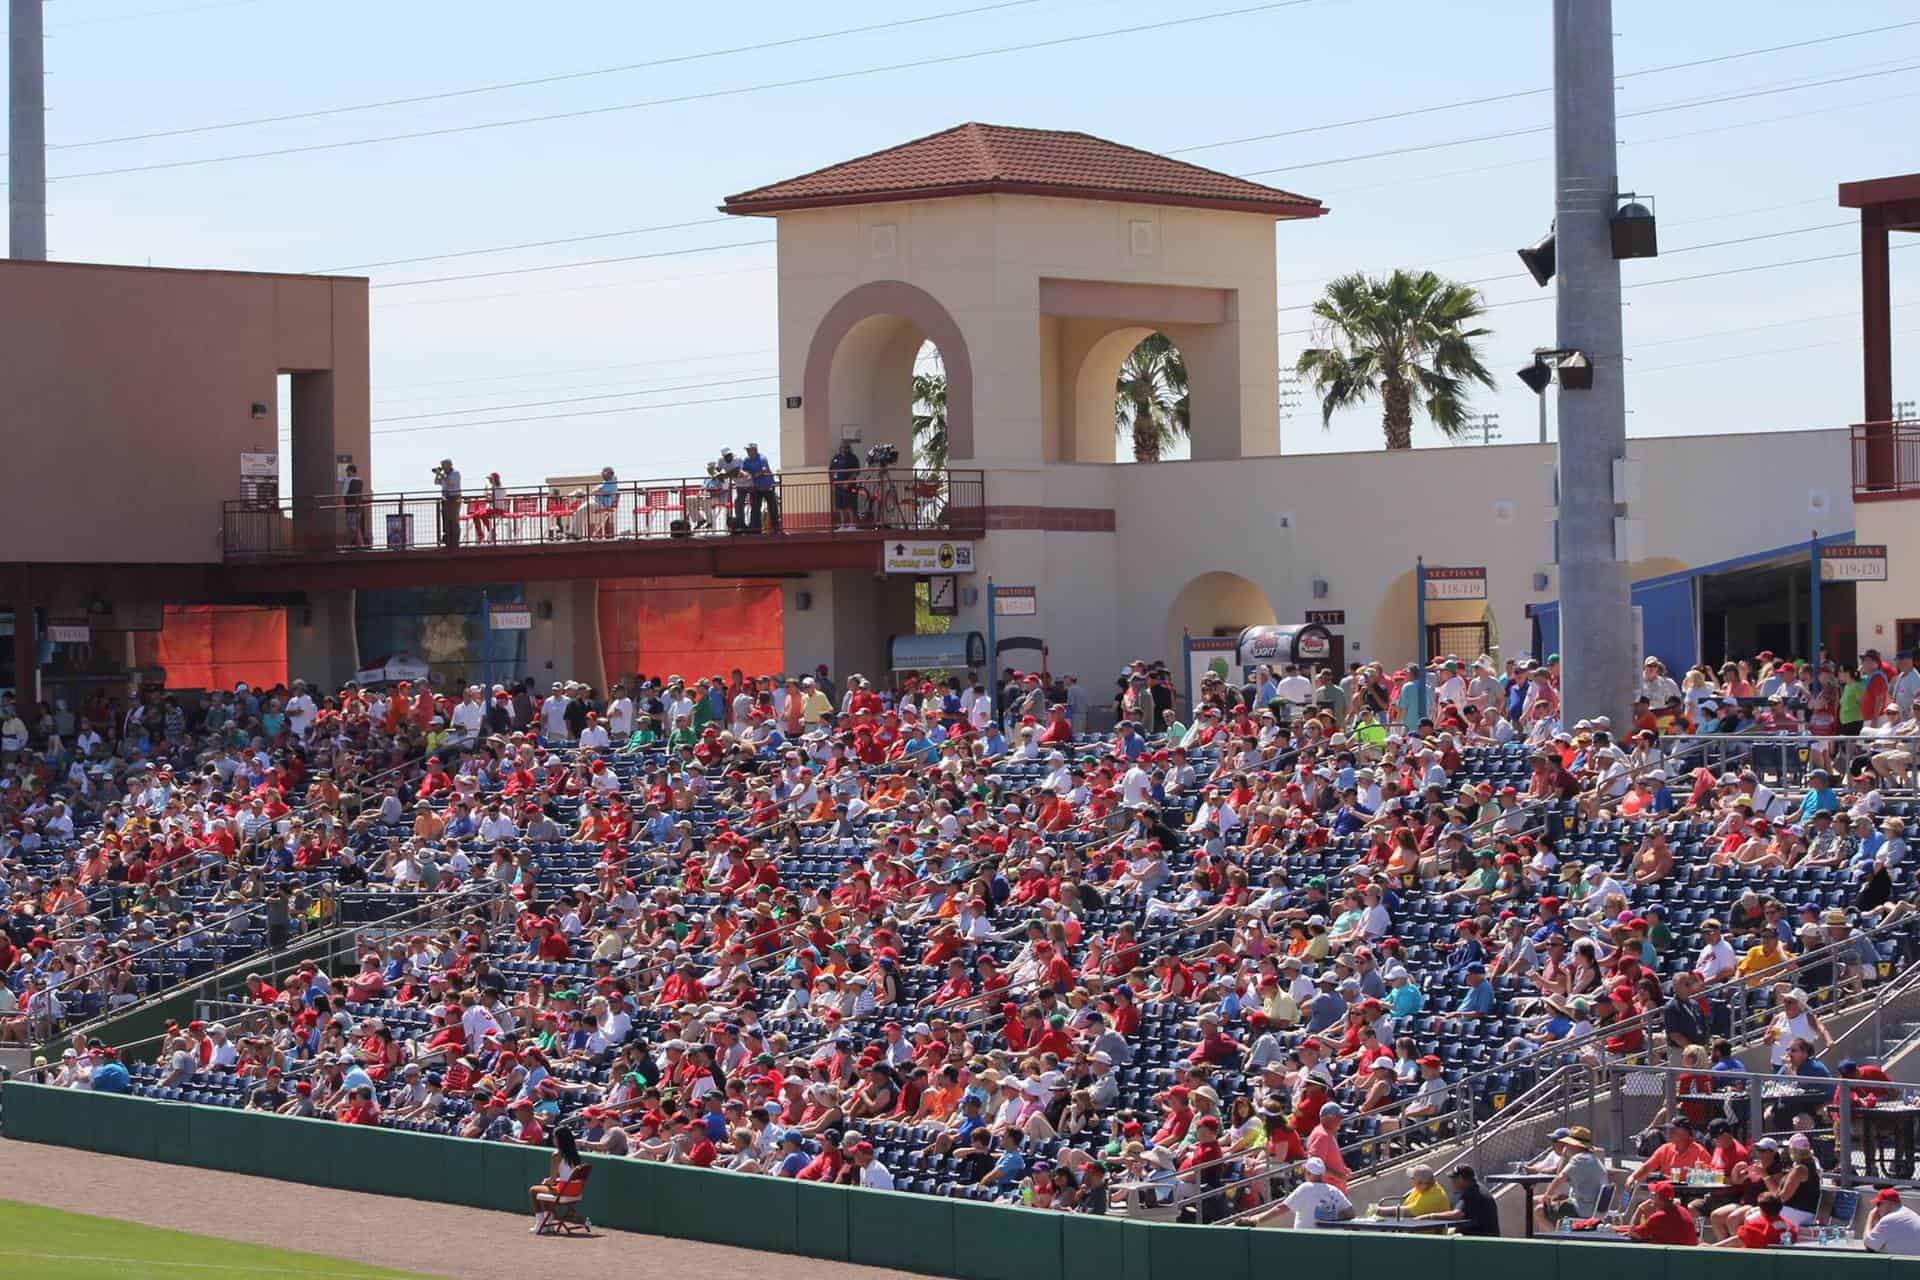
(1357, 521)
(923, 1234)
(129, 395)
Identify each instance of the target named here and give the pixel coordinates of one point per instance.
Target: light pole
(26, 131)
(1596, 619)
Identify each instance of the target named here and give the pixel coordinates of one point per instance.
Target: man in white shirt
(1716, 961)
(553, 713)
(497, 825)
(467, 717)
(301, 710)
(1656, 686)
(1294, 689)
(1315, 1204)
(620, 713)
(873, 1175)
(1453, 689)
(224, 1054)
(479, 1023)
(1892, 1228)
(595, 736)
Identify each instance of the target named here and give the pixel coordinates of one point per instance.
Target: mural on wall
(446, 627)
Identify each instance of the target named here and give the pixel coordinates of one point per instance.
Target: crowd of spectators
(943, 938)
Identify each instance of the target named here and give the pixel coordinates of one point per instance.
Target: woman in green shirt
(1851, 688)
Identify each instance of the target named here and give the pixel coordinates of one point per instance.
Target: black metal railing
(810, 504)
(1886, 459)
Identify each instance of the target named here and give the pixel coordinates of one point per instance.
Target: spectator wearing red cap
(1662, 1219)
(1892, 1228)
(1764, 1228)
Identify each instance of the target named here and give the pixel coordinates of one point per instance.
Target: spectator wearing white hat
(1315, 1204)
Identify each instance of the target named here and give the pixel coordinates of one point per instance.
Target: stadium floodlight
(1538, 259)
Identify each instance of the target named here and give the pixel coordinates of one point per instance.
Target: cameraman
(449, 481)
(880, 458)
(741, 484)
(843, 470)
(712, 499)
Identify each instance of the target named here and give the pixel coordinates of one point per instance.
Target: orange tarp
(690, 626)
(217, 646)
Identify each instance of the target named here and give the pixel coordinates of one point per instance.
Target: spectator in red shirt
(1662, 1219)
(359, 1108)
(826, 1166)
(1324, 1142)
(1765, 1229)
(1864, 1093)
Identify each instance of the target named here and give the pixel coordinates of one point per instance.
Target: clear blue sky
(1769, 349)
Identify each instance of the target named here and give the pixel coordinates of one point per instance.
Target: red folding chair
(563, 1206)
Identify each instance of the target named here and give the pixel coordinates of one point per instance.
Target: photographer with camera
(741, 484)
(448, 479)
(712, 499)
(843, 472)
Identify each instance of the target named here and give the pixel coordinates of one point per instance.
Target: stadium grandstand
(914, 942)
(1021, 823)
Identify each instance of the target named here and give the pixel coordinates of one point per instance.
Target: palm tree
(1404, 338)
(930, 420)
(1152, 402)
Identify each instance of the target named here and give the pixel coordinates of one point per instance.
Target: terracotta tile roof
(979, 159)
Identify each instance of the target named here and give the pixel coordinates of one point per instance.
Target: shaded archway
(1463, 624)
(1094, 358)
(1217, 602)
(859, 370)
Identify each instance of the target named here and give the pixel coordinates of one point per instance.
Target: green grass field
(74, 1246)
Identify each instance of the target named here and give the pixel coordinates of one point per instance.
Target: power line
(1765, 266)
(610, 395)
(577, 413)
(759, 351)
(116, 18)
(1505, 250)
(1758, 328)
(558, 78)
(1487, 100)
(702, 96)
(583, 288)
(525, 244)
(565, 386)
(1792, 87)
(1749, 355)
(1544, 296)
(584, 262)
(1548, 128)
(591, 368)
(1665, 253)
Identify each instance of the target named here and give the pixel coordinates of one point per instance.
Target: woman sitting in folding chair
(556, 1201)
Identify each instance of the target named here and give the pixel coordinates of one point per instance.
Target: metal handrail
(1885, 458)
(1547, 1059)
(327, 940)
(801, 502)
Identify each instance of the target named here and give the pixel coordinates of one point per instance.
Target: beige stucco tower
(1035, 260)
